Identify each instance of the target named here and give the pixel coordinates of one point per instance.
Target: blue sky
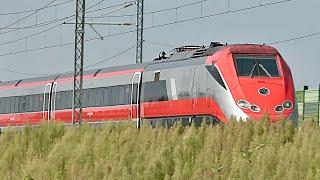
(265, 24)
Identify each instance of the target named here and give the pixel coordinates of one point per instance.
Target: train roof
(54, 77)
(189, 52)
(177, 54)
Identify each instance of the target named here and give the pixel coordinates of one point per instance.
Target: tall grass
(251, 150)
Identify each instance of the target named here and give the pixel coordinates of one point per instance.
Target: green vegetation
(299, 96)
(252, 150)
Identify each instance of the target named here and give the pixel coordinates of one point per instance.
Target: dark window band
(155, 91)
(93, 97)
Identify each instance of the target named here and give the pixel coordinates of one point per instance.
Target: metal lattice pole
(139, 31)
(78, 63)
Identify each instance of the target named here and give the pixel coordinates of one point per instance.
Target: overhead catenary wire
(127, 4)
(147, 28)
(67, 18)
(198, 2)
(170, 23)
(158, 11)
(89, 66)
(102, 16)
(47, 23)
(42, 24)
(196, 18)
(37, 49)
(295, 38)
(19, 20)
(34, 74)
(46, 30)
(22, 73)
(35, 10)
(111, 57)
(219, 14)
(32, 35)
(112, 6)
(160, 43)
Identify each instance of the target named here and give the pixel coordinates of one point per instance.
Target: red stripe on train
(183, 107)
(173, 108)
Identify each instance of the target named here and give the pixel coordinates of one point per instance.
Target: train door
(200, 93)
(208, 91)
(46, 102)
(53, 100)
(135, 98)
(195, 85)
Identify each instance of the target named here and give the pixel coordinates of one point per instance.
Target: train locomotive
(219, 82)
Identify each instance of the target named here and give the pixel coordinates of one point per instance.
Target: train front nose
(264, 87)
(261, 99)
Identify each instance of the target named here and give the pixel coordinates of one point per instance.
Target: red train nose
(263, 97)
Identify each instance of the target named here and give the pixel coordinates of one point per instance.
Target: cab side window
(216, 75)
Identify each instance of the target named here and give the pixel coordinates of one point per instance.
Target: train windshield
(257, 66)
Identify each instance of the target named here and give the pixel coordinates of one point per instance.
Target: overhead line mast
(78, 56)
(78, 63)
(139, 31)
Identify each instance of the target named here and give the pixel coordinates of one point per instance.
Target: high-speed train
(239, 81)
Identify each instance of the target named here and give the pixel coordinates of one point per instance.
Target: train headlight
(279, 108)
(243, 104)
(255, 108)
(287, 105)
(264, 91)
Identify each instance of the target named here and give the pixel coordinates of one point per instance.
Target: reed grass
(239, 150)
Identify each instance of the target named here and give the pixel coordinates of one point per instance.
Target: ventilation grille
(199, 53)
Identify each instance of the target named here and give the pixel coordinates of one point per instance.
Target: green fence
(309, 103)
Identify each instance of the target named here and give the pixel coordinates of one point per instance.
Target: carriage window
(157, 76)
(155, 91)
(257, 66)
